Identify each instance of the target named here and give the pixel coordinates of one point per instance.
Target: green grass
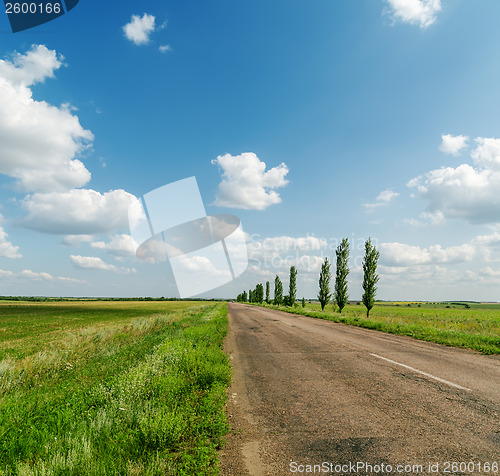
(105, 388)
(28, 326)
(475, 328)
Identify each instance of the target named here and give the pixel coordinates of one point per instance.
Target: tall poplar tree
(278, 291)
(324, 284)
(259, 293)
(268, 299)
(370, 276)
(341, 293)
(292, 291)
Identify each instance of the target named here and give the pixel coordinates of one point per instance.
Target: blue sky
(310, 121)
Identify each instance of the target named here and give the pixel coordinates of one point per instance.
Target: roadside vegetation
(476, 328)
(112, 388)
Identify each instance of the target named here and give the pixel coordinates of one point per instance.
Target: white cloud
(287, 243)
(280, 252)
(383, 199)
(76, 240)
(484, 248)
(427, 218)
(200, 266)
(7, 249)
(418, 276)
(246, 184)
(139, 28)
(487, 153)
(452, 144)
(416, 12)
(29, 275)
(462, 192)
(33, 67)
(487, 247)
(457, 284)
(400, 254)
(484, 276)
(165, 48)
(120, 245)
(467, 192)
(93, 262)
(78, 211)
(39, 142)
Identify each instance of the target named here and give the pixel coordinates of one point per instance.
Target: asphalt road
(312, 392)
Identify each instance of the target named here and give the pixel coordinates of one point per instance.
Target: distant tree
(278, 291)
(268, 299)
(341, 294)
(292, 290)
(370, 276)
(324, 284)
(303, 302)
(259, 293)
(250, 295)
(245, 296)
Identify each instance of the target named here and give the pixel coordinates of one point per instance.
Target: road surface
(312, 392)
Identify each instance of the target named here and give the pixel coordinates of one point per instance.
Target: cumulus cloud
(246, 184)
(200, 266)
(400, 254)
(93, 262)
(419, 276)
(120, 245)
(468, 192)
(487, 153)
(383, 199)
(484, 248)
(7, 249)
(39, 143)
(452, 144)
(32, 67)
(484, 276)
(415, 12)
(487, 247)
(78, 211)
(140, 28)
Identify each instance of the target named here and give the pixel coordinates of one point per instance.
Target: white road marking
(423, 373)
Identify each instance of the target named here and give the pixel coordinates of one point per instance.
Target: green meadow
(459, 324)
(112, 387)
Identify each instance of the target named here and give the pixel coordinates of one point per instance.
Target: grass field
(476, 327)
(105, 388)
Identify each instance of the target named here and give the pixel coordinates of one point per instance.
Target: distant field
(128, 388)
(442, 304)
(27, 327)
(476, 327)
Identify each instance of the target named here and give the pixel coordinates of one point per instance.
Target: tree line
(340, 294)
